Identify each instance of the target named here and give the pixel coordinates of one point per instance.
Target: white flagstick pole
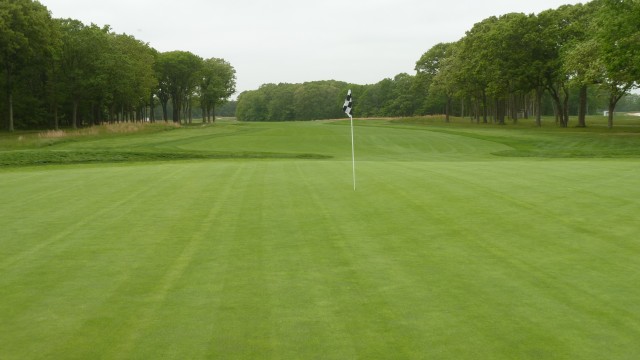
(347, 108)
(353, 154)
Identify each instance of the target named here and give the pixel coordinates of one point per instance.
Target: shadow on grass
(53, 157)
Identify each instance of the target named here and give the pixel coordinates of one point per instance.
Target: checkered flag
(348, 104)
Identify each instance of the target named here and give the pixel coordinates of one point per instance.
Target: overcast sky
(273, 41)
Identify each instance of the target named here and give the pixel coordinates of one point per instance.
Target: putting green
(444, 250)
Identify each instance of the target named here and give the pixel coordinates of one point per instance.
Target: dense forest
(61, 72)
(576, 59)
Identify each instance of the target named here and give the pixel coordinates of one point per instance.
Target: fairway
(254, 245)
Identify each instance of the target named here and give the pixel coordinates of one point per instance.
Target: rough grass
(137, 142)
(526, 140)
(124, 142)
(445, 251)
(33, 139)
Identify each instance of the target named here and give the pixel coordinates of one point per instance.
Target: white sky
(273, 41)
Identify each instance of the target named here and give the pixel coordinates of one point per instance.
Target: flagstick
(353, 154)
(347, 108)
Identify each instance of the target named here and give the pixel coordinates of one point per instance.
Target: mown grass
(444, 251)
(527, 140)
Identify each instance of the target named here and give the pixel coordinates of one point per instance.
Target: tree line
(286, 102)
(571, 60)
(61, 72)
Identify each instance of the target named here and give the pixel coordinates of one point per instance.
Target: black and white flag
(348, 104)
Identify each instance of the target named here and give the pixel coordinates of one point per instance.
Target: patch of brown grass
(52, 134)
(123, 128)
(106, 128)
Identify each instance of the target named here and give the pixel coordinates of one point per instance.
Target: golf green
(443, 251)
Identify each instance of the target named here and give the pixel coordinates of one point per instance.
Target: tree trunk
(476, 109)
(500, 111)
(152, 109)
(9, 96)
(561, 104)
(615, 96)
(74, 117)
(565, 110)
(484, 106)
(54, 100)
(10, 111)
(538, 106)
(559, 109)
(447, 108)
(612, 108)
(112, 114)
(514, 108)
(582, 111)
(94, 114)
(177, 107)
(165, 112)
(56, 120)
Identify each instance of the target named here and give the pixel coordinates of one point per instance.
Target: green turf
(447, 249)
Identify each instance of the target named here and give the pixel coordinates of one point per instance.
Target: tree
(25, 39)
(577, 53)
(82, 51)
(129, 75)
(506, 62)
(474, 70)
(280, 106)
(443, 72)
(317, 100)
(252, 106)
(162, 89)
(561, 30)
(179, 72)
(581, 62)
(617, 34)
(218, 83)
(519, 60)
(429, 66)
(376, 99)
(404, 97)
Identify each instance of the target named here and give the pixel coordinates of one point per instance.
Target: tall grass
(29, 139)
